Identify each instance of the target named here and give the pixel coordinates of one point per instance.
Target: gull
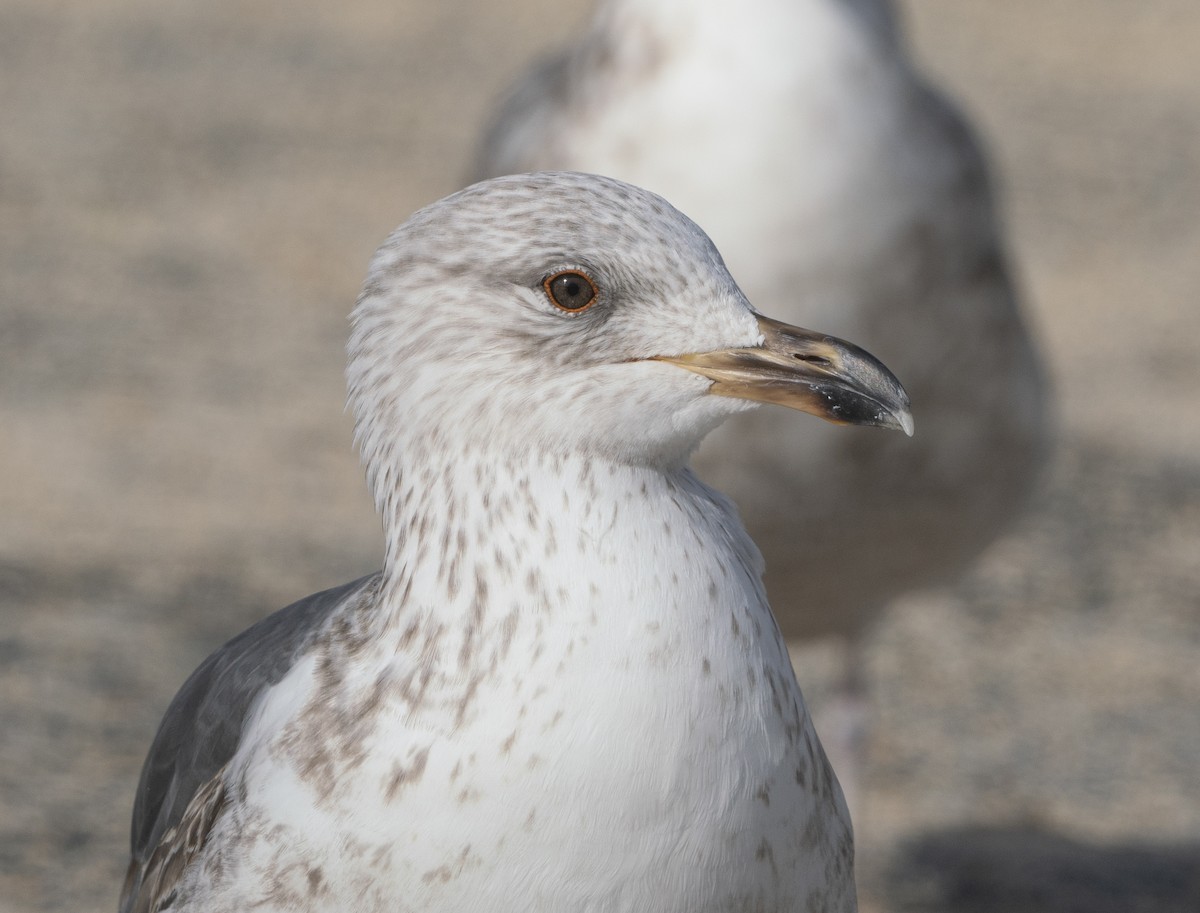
(565, 689)
(846, 193)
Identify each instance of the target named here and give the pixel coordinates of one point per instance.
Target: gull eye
(570, 290)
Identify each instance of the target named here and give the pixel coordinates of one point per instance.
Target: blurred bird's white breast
(767, 122)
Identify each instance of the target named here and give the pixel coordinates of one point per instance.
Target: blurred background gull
(188, 197)
(848, 195)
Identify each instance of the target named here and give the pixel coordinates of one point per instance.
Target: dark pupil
(571, 292)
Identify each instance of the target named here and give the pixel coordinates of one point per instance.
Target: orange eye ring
(571, 291)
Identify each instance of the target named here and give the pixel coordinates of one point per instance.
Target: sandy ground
(189, 193)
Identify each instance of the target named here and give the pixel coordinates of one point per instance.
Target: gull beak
(822, 375)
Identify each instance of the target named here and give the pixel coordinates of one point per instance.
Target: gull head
(575, 313)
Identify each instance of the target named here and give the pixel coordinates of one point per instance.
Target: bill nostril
(819, 360)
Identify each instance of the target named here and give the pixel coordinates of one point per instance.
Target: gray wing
(523, 120)
(202, 727)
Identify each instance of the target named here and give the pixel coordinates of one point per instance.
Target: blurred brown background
(189, 193)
